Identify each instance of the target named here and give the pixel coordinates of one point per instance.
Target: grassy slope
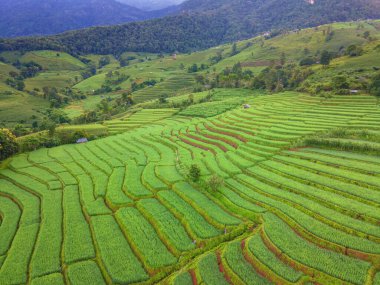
(19, 106)
(62, 71)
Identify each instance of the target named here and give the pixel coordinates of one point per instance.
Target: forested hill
(201, 24)
(46, 17)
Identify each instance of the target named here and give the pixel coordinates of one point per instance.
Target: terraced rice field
(170, 87)
(138, 119)
(121, 210)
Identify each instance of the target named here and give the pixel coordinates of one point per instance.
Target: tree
(200, 79)
(8, 144)
(234, 49)
(193, 68)
(163, 99)
(354, 50)
(340, 82)
(104, 60)
(375, 85)
(325, 58)
(215, 182)
(19, 130)
(20, 85)
(35, 125)
(194, 172)
(129, 100)
(307, 61)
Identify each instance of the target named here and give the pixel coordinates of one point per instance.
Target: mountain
(200, 24)
(151, 5)
(44, 17)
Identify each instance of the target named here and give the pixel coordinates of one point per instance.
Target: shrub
(354, 50)
(375, 85)
(194, 172)
(340, 82)
(325, 58)
(307, 61)
(215, 182)
(8, 144)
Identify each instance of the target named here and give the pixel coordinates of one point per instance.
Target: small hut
(246, 106)
(82, 140)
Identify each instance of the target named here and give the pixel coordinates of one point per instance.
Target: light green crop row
(340, 186)
(200, 227)
(11, 214)
(314, 192)
(166, 223)
(235, 260)
(202, 203)
(334, 264)
(144, 238)
(209, 270)
(115, 195)
(115, 252)
(257, 247)
(310, 223)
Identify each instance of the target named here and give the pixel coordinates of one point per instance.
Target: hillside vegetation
(97, 87)
(201, 24)
(23, 17)
(255, 162)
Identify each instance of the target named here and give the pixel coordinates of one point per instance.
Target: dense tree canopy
(201, 24)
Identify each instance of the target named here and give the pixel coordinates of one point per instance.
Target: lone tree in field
(215, 182)
(8, 144)
(194, 172)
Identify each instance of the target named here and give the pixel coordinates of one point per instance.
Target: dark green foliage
(275, 79)
(307, 61)
(8, 144)
(16, 83)
(375, 85)
(234, 50)
(235, 77)
(90, 71)
(207, 24)
(325, 58)
(28, 69)
(25, 18)
(104, 60)
(163, 99)
(196, 68)
(340, 82)
(138, 86)
(354, 50)
(194, 172)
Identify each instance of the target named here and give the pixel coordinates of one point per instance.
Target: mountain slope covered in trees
(36, 17)
(201, 24)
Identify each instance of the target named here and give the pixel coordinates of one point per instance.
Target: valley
(249, 162)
